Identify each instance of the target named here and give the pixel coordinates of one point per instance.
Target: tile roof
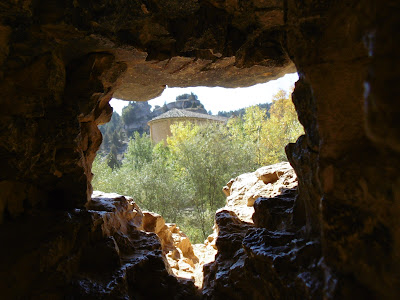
(183, 113)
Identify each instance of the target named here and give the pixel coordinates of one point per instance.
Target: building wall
(161, 129)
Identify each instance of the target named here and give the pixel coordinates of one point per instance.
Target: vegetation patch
(182, 180)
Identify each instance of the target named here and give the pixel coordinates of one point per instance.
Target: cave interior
(61, 62)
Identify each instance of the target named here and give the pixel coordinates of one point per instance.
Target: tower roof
(183, 113)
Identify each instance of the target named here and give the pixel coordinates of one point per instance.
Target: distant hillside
(240, 112)
(135, 116)
(185, 101)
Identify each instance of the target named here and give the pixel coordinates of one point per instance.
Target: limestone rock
(96, 253)
(118, 212)
(338, 191)
(153, 222)
(176, 247)
(206, 254)
(275, 213)
(270, 257)
(188, 102)
(267, 181)
(184, 259)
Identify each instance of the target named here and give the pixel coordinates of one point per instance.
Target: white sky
(222, 99)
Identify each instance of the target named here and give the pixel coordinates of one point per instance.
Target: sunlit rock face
(267, 251)
(185, 260)
(61, 62)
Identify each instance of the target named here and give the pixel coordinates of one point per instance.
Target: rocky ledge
(185, 260)
(262, 254)
(102, 252)
(255, 251)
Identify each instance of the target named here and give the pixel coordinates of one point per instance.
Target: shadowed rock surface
(62, 61)
(267, 251)
(177, 248)
(99, 253)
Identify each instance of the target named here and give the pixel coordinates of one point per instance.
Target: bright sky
(222, 99)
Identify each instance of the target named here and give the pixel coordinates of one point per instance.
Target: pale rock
(119, 213)
(153, 222)
(266, 181)
(176, 247)
(184, 266)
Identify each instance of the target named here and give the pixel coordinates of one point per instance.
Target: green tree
(128, 113)
(102, 175)
(111, 158)
(253, 124)
(116, 139)
(139, 151)
(112, 134)
(206, 158)
(281, 128)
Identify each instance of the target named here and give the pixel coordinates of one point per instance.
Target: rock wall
(101, 252)
(61, 61)
(52, 103)
(262, 252)
(337, 99)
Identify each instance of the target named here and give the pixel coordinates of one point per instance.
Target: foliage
(112, 160)
(206, 158)
(183, 179)
(190, 96)
(240, 112)
(281, 128)
(139, 152)
(113, 134)
(103, 174)
(128, 114)
(265, 134)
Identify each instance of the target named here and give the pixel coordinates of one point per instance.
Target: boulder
(268, 181)
(269, 255)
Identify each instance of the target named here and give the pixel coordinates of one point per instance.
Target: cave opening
(132, 167)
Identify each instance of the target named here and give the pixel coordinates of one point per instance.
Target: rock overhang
(62, 63)
(188, 43)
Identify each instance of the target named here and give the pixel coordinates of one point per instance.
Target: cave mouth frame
(173, 263)
(190, 89)
(265, 91)
(61, 65)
